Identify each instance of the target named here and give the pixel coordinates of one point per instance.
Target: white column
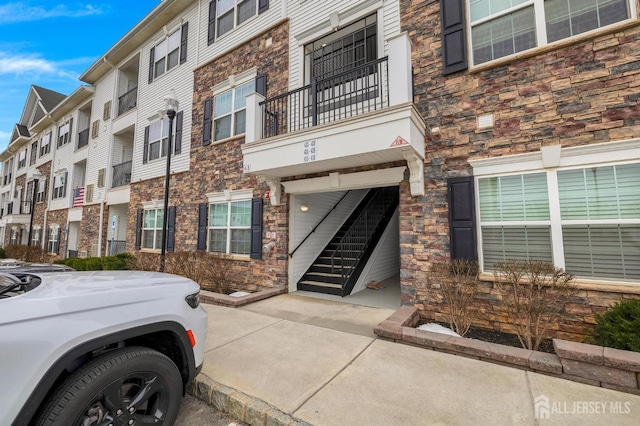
(400, 80)
(253, 131)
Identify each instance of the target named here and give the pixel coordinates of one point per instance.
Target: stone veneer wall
(588, 92)
(219, 166)
(58, 217)
(90, 228)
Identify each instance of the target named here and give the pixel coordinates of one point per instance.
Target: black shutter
(171, 229)
(263, 6)
(70, 128)
(64, 187)
(206, 130)
(211, 32)
(58, 243)
(462, 232)
(454, 41)
(183, 42)
(256, 228)
(177, 145)
(152, 61)
(139, 215)
(46, 240)
(261, 84)
(145, 146)
(202, 225)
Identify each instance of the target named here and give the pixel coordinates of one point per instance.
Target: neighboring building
(325, 145)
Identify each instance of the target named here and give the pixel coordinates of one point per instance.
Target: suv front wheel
(128, 386)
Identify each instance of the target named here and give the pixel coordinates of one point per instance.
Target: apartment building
(326, 145)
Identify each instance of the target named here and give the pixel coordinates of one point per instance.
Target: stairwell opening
(345, 245)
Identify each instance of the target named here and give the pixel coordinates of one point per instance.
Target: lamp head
(171, 102)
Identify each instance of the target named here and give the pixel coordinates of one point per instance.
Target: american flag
(78, 197)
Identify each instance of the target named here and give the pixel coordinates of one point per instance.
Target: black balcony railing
(83, 138)
(128, 101)
(356, 91)
(10, 208)
(121, 174)
(116, 247)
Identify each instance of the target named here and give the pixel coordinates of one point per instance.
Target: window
(15, 236)
(503, 27)
(53, 242)
(230, 227)
(342, 50)
(152, 229)
(230, 13)
(22, 159)
(35, 237)
(45, 144)
(34, 153)
(40, 195)
(64, 133)
(229, 111)
(59, 186)
(167, 54)
(586, 220)
(28, 197)
(158, 139)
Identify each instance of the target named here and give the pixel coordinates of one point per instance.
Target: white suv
(97, 348)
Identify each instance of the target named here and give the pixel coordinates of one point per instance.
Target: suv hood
(80, 291)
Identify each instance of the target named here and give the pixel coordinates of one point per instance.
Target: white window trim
(230, 83)
(173, 136)
(165, 37)
(540, 27)
(156, 229)
(235, 19)
(228, 197)
(550, 160)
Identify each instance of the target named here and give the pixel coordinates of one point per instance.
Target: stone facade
(587, 92)
(90, 229)
(219, 166)
(59, 218)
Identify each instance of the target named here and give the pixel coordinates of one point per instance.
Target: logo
(541, 407)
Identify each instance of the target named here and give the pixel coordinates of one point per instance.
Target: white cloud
(23, 12)
(31, 64)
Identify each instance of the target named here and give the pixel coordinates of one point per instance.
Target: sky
(50, 43)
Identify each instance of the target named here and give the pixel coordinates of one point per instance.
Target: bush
(26, 253)
(106, 263)
(2, 255)
(619, 327)
(455, 284)
(143, 262)
(534, 294)
(211, 270)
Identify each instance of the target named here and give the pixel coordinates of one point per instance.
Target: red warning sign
(399, 141)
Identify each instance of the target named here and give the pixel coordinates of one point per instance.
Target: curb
(242, 407)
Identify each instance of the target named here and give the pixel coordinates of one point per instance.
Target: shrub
(26, 253)
(2, 254)
(534, 294)
(455, 284)
(211, 270)
(619, 327)
(143, 262)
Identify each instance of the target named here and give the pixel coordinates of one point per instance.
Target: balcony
(127, 101)
(364, 116)
(83, 138)
(121, 175)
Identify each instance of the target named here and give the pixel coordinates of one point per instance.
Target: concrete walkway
(314, 361)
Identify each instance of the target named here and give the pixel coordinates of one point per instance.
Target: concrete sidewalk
(293, 359)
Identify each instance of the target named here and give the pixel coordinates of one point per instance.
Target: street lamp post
(36, 179)
(170, 107)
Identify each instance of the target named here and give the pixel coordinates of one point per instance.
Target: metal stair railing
(319, 223)
(358, 237)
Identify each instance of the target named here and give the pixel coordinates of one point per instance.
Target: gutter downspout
(102, 203)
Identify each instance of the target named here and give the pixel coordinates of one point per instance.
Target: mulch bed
(501, 338)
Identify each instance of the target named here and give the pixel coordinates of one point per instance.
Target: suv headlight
(193, 300)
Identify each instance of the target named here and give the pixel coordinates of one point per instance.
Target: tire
(105, 390)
